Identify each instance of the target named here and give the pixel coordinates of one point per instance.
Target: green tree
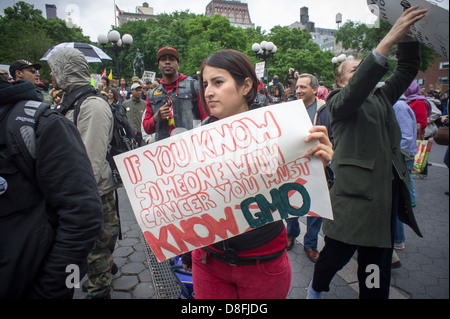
(297, 50)
(364, 39)
(195, 37)
(26, 34)
(352, 35)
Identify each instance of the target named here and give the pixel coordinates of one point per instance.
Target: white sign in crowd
(431, 30)
(225, 178)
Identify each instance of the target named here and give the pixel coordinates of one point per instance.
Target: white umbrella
(92, 53)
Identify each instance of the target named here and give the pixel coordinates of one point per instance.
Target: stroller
(183, 278)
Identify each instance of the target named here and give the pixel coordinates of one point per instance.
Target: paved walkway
(425, 261)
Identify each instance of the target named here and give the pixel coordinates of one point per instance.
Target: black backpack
(20, 135)
(124, 136)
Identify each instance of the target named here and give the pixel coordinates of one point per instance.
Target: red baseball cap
(168, 51)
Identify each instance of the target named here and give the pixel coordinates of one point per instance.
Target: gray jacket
(95, 120)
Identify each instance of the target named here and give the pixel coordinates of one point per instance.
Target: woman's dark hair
(240, 68)
(114, 92)
(126, 83)
(106, 79)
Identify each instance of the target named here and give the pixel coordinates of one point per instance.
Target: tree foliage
(352, 36)
(197, 36)
(363, 39)
(27, 35)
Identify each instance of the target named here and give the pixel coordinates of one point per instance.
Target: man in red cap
(173, 106)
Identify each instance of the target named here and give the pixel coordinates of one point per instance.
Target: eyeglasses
(32, 70)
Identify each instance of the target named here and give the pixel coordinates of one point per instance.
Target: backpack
(274, 90)
(124, 136)
(20, 134)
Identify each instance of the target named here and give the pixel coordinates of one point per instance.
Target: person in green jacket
(372, 181)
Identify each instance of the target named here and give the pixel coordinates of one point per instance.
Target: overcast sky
(97, 16)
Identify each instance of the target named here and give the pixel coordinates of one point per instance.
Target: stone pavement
(425, 261)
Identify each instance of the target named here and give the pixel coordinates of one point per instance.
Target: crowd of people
(361, 127)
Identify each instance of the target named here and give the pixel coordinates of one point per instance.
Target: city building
(323, 37)
(51, 12)
(142, 13)
(234, 10)
(436, 77)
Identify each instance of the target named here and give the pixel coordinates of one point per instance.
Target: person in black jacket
(49, 220)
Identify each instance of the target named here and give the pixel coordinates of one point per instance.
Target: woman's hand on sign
(323, 149)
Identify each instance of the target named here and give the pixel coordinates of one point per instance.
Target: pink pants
(219, 280)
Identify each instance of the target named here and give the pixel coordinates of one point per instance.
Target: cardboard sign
(431, 30)
(148, 76)
(225, 178)
(259, 69)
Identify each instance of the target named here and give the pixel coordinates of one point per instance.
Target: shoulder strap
(77, 105)
(21, 134)
(74, 100)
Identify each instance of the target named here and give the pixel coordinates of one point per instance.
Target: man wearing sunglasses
(27, 71)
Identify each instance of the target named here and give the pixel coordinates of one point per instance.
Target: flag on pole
(110, 75)
(104, 72)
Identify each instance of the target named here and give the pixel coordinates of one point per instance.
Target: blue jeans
(313, 225)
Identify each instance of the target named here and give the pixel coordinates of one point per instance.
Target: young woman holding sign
(253, 265)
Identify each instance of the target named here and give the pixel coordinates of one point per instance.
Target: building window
(443, 79)
(443, 65)
(421, 82)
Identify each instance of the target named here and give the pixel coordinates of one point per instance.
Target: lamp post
(264, 50)
(114, 37)
(341, 58)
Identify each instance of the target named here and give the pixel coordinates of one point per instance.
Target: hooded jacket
(95, 120)
(52, 219)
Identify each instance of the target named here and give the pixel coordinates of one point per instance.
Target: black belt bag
(230, 256)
